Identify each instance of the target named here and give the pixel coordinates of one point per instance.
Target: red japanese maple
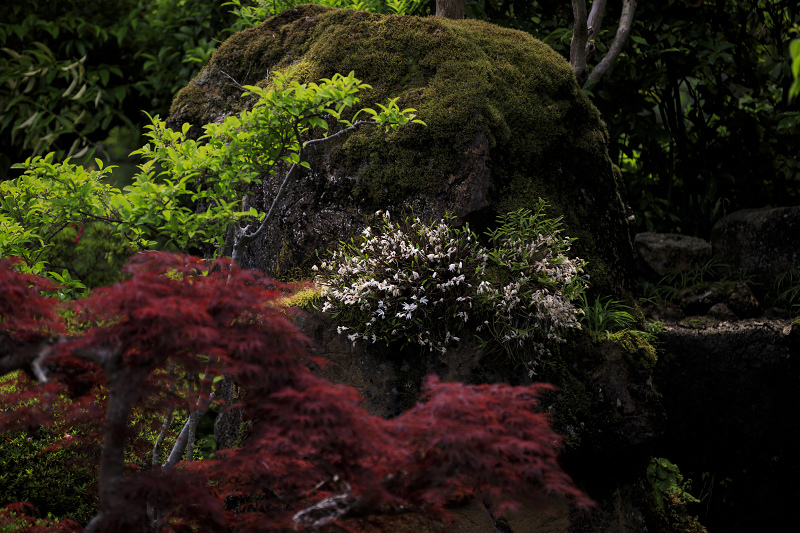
(312, 455)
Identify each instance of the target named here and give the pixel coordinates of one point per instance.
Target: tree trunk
(450, 9)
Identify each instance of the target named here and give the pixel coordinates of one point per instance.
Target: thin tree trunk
(580, 36)
(450, 9)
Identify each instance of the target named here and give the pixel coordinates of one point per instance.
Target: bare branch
(36, 365)
(326, 511)
(188, 430)
(593, 25)
(577, 48)
(625, 24)
(595, 21)
(21, 356)
(236, 83)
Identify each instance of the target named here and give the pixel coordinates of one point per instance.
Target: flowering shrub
(407, 281)
(530, 282)
(420, 283)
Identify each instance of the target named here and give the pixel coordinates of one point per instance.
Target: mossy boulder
(506, 124)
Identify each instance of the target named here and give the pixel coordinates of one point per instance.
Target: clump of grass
(605, 315)
(786, 291)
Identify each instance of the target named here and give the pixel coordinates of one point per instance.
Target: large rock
(506, 120)
(732, 399)
(761, 242)
(663, 253)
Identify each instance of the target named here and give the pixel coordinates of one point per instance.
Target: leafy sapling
(190, 194)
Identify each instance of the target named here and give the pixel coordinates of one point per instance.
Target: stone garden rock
(761, 242)
(733, 405)
(721, 311)
(506, 124)
(663, 253)
(736, 296)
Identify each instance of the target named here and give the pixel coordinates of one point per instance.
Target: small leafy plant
(786, 290)
(605, 315)
(671, 494)
(530, 282)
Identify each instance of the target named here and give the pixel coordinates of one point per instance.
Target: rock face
(607, 406)
(762, 242)
(733, 406)
(663, 253)
(506, 124)
(735, 297)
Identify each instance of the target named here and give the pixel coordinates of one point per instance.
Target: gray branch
(326, 511)
(593, 25)
(580, 35)
(625, 24)
(187, 433)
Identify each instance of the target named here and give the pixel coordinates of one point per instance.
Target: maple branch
(327, 510)
(167, 418)
(36, 365)
(187, 432)
(24, 357)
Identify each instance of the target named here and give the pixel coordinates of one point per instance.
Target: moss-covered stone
(636, 345)
(493, 98)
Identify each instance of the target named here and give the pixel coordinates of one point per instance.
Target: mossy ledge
(506, 124)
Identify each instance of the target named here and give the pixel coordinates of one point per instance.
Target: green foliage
(786, 291)
(670, 286)
(698, 105)
(666, 478)
(187, 194)
(671, 495)
(72, 70)
(253, 12)
(794, 52)
(419, 283)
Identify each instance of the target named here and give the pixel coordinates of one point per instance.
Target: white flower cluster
(534, 308)
(418, 283)
(407, 281)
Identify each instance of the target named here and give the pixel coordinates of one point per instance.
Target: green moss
(635, 343)
(466, 78)
(305, 299)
